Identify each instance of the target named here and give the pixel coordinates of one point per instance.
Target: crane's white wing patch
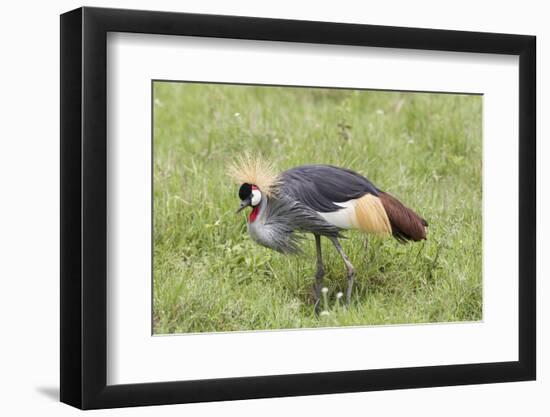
(344, 218)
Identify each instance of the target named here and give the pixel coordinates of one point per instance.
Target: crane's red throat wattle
(253, 214)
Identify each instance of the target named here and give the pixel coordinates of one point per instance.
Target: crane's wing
(319, 187)
(325, 189)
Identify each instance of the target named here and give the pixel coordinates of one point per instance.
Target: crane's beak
(244, 204)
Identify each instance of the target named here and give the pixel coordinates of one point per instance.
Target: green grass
(426, 149)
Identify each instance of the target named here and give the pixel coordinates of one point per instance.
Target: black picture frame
(84, 207)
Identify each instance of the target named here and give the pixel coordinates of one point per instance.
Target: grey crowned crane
(322, 200)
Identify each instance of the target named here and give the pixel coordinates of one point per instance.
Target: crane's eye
(256, 197)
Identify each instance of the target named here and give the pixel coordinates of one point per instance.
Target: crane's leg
(319, 274)
(349, 266)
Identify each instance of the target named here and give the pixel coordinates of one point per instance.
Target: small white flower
(325, 313)
(324, 290)
(339, 295)
(380, 112)
(411, 141)
(237, 114)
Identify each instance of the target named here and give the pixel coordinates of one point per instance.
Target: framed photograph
(256, 208)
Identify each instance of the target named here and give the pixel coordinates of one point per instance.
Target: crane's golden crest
(254, 169)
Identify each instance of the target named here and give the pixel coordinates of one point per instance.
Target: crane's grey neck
(257, 225)
(260, 211)
(271, 228)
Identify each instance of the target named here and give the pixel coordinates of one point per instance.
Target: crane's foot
(316, 293)
(317, 307)
(314, 297)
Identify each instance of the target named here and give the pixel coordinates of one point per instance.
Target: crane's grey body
(301, 194)
(309, 199)
(280, 222)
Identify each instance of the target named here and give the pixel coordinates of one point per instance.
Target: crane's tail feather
(405, 223)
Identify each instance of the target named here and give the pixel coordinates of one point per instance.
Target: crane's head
(250, 195)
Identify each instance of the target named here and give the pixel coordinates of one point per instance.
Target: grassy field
(425, 149)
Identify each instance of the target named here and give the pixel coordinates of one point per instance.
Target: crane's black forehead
(245, 191)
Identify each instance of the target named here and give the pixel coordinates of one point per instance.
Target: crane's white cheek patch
(343, 218)
(256, 197)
